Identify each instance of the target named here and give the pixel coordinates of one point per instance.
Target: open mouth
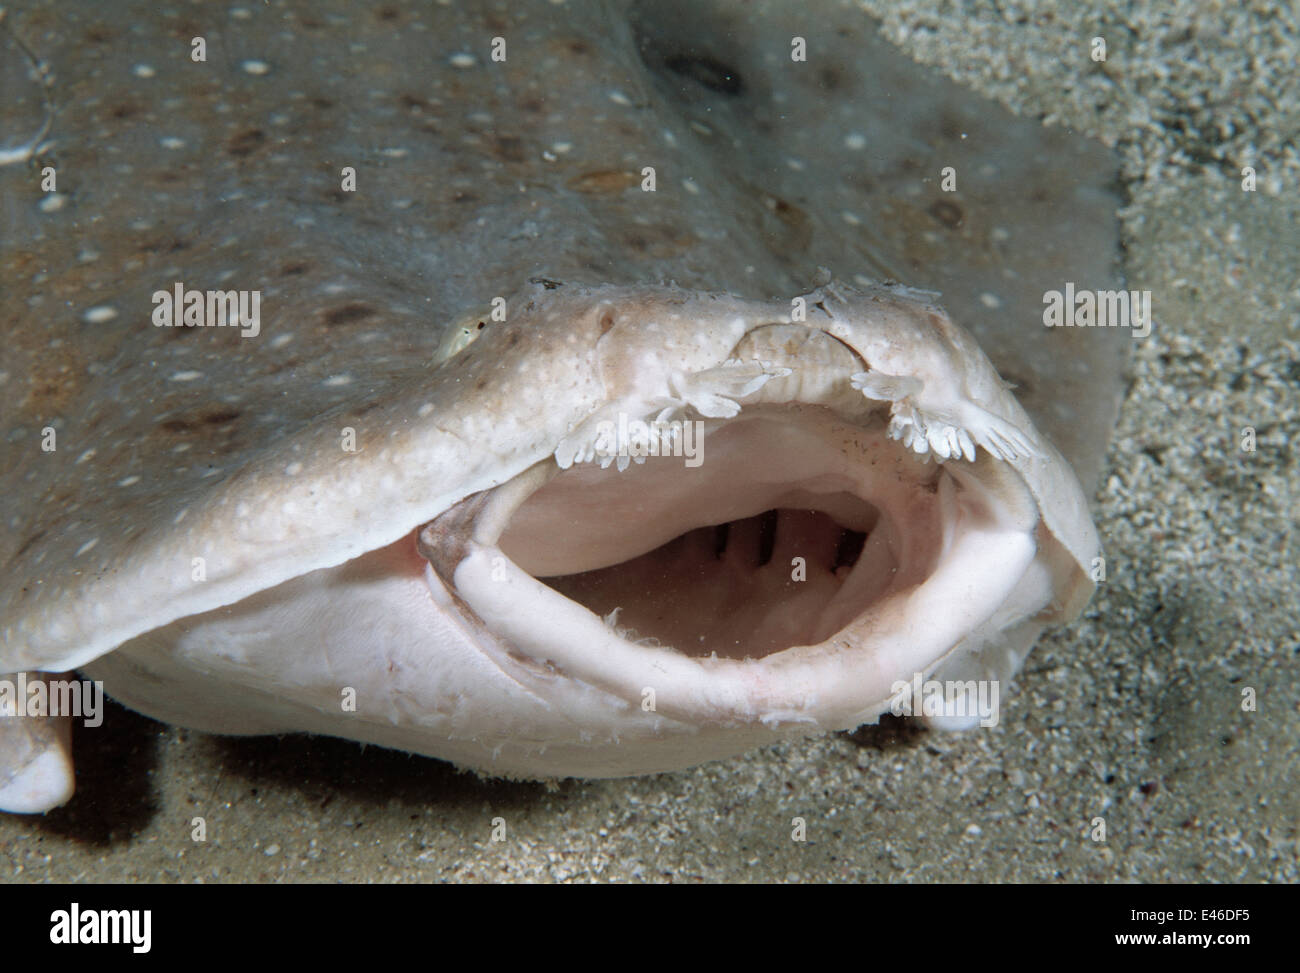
(800, 565)
(795, 524)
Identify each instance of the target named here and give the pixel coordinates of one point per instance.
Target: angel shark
(529, 386)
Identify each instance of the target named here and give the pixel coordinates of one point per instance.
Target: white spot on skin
(855, 141)
(618, 98)
(852, 219)
(462, 60)
(691, 186)
(798, 165)
(86, 456)
(86, 546)
(334, 381)
(280, 340)
(293, 469)
(990, 300)
(99, 314)
(171, 142)
(256, 67)
(562, 148)
(425, 410)
(52, 203)
(180, 516)
(128, 481)
(185, 376)
(143, 71)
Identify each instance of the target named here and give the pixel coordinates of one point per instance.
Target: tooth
(967, 447)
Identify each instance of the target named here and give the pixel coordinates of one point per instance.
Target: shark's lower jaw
(806, 565)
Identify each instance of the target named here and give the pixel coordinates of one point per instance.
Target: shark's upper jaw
(801, 566)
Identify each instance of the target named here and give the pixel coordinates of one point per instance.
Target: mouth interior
(792, 524)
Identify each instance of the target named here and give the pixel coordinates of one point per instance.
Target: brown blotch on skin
(246, 142)
(947, 212)
(25, 546)
(186, 29)
(348, 314)
(793, 231)
(282, 366)
(53, 378)
(509, 148)
(606, 322)
(209, 418)
(863, 182)
(600, 182)
(659, 241)
(363, 409)
(294, 269)
(158, 245)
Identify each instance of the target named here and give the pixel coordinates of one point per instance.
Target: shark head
(629, 530)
